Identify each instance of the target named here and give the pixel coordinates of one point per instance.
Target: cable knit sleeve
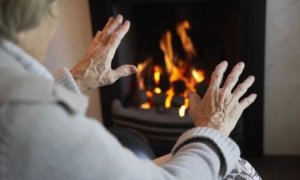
(227, 150)
(65, 78)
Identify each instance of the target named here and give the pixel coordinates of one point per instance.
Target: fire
(176, 69)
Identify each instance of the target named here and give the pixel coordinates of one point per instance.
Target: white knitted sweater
(44, 134)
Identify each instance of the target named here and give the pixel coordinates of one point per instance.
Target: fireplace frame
(253, 48)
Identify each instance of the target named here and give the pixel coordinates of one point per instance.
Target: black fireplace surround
(248, 41)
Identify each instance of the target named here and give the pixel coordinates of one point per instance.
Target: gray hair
(20, 15)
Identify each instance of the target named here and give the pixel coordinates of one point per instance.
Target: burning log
(159, 102)
(149, 82)
(177, 101)
(159, 99)
(141, 97)
(161, 109)
(179, 87)
(164, 83)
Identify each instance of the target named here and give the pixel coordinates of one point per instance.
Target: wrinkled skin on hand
(94, 69)
(221, 108)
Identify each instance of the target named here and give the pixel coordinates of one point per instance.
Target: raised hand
(94, 69)
(221, 108)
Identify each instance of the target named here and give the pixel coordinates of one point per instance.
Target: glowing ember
(157, 90)
(198, 75)
(145, 106)
(149, 94)
(182, 110)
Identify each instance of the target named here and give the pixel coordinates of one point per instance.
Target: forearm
(201, 153)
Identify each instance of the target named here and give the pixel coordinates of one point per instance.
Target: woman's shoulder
(25, 89)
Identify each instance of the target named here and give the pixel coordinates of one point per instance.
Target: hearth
(176, 45)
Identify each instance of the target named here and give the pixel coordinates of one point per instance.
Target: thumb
(194, 99)
(124, 71)
(194, 96)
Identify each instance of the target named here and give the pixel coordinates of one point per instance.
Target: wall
(70, 43)
(282, 90)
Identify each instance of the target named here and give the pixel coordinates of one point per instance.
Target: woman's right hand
(95, 70)
(221, 108)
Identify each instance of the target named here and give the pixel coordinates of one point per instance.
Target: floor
(277, 167)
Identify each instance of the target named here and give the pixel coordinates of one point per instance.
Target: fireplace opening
(176, 45)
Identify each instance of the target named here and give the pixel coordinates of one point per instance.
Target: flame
(140, 68)
(156, 74)
(170, 94)
(167, 48)
(186, 41)
(198, 75)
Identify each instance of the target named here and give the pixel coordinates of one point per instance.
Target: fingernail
(127, 22)
(224, 62)
(119, 17)
(133, 70)
(241, 63)
(254, 96)
(252, 77)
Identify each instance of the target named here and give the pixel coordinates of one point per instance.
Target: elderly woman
(44, 133)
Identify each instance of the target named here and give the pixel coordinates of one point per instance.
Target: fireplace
(176, 45)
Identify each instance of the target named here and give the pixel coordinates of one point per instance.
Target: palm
(95, 68)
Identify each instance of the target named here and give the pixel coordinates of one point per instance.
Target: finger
(95, 41)
(111, 28)
(98, 35)
(109, 22)
(233, 77)
(123, 71)
(247, 101)
(117, 37)
(217, 75)
(243, 87)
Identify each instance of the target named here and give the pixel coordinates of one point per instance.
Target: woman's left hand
(94, 69)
